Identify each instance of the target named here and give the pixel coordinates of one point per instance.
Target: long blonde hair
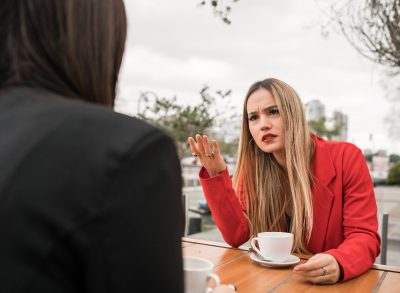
(269, 190)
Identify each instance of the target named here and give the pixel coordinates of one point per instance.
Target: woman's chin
(269, 147)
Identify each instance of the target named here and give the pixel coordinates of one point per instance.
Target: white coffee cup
(274, 246)
(197, 274)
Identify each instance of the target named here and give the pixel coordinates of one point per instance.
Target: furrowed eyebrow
(266, 109)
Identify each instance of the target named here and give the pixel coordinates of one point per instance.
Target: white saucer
(266, 263)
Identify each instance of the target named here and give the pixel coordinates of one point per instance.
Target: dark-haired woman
(79, 210)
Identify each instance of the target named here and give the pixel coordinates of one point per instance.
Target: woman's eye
(273, 112)
(252, 117)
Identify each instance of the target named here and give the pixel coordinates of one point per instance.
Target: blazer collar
(322, 166)
(323, 173)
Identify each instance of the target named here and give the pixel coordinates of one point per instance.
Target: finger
(200, 142)
(216, 151)
(193, 145)
(313, 274)
(312, 264)
(191, 141)
(206, 145)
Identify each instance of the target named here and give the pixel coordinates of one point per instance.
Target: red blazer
(345, 215)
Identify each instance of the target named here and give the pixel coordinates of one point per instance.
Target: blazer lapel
(323, 173)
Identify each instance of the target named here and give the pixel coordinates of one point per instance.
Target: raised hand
(208, 154)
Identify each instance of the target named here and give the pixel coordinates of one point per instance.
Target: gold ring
(210, 155)
(325, 271)
(195, 155)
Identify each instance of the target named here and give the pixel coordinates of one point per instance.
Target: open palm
(208, 154)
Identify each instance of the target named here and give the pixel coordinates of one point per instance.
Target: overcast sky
(174, 47)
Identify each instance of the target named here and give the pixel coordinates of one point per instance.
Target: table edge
(386, 268)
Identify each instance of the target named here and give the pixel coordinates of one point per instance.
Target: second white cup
(274, 246)
(197, 273)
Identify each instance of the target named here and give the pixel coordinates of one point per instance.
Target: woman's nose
(265, 123)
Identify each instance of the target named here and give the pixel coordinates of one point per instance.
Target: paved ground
(388, 201)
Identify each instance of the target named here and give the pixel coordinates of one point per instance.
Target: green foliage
(319, 127)
(393, 158)
(394, 174)
(229, 149)
(368, 157)
(181, 121)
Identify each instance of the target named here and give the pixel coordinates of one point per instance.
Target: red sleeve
(361, 244)
(226, 209)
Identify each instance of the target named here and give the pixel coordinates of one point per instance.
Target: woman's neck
(280, 158)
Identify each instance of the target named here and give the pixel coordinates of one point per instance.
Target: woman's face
(265, 123)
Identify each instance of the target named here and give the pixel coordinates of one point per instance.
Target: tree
(394, 174)
(372, 27)
(368, 157)
(393, 121)
(393, 158)
(230, 148)
(319, 127)
(181, 121)
(221, 8)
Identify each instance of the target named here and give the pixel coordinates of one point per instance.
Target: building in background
(315, 110)
(340, 121)
(333, 128)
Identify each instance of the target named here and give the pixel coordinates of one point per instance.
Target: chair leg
(185, 206)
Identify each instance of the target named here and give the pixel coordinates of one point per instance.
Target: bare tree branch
(221, 8)
(372, 27)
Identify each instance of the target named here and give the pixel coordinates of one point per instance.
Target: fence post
(385, 222)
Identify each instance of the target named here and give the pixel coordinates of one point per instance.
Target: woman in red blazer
(288, 179)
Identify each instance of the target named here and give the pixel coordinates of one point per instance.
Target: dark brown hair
(71, 47)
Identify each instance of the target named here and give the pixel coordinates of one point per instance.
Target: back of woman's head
(71, 47)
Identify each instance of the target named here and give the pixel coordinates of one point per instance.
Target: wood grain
(235, 267)
(210, 243)
(217, 255)
(249, 276)
(391, 283)
(363, 283)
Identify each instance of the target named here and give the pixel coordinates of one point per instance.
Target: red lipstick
(268, 137)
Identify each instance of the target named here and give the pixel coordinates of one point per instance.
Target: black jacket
(90, 200)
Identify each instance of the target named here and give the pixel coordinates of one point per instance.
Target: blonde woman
(289, 179)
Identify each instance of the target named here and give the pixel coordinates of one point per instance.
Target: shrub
(394, 174)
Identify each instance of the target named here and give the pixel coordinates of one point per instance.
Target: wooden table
(235, 267)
